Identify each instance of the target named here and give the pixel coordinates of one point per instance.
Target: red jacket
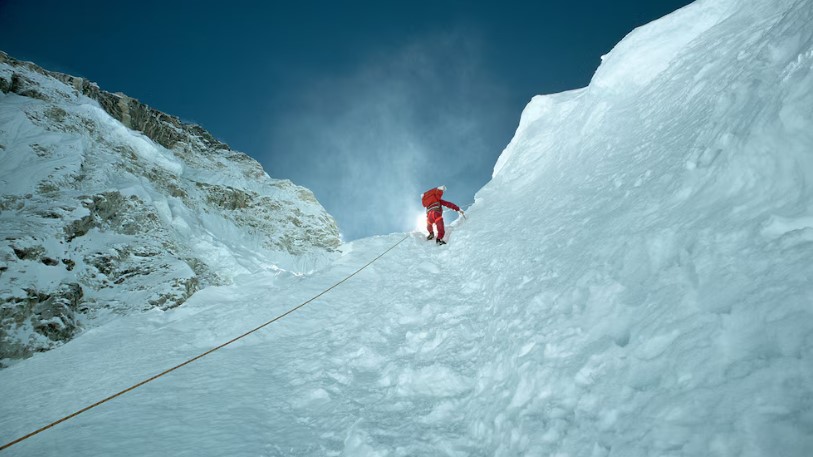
(437, 206)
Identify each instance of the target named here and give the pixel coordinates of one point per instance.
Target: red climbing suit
(434, 215)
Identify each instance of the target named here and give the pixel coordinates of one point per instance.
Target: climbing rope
(153, 378)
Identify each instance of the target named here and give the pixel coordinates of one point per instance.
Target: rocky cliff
(109, 206)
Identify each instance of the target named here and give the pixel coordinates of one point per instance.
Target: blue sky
(365, 103)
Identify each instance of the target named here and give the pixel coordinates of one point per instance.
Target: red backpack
(431, 196)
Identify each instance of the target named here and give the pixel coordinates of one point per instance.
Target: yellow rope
(135, 386)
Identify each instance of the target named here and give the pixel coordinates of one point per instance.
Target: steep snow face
(653, 284)
(99, 219)
(634, 281)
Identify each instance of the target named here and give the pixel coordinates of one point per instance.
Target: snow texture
(634, 281)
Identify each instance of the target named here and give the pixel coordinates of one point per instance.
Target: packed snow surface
(636, 280)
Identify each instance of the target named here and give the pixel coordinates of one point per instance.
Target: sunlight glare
(420, 222)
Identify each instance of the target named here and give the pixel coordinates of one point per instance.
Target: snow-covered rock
(109, 206)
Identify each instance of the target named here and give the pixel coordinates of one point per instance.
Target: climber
(433, 203)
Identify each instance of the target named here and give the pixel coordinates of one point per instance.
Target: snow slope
(634, 281)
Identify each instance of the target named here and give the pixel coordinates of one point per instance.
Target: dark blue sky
(366, 103)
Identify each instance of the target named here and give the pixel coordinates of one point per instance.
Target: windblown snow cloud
(363, 140)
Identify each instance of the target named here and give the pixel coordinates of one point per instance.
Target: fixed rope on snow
(153, 378)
